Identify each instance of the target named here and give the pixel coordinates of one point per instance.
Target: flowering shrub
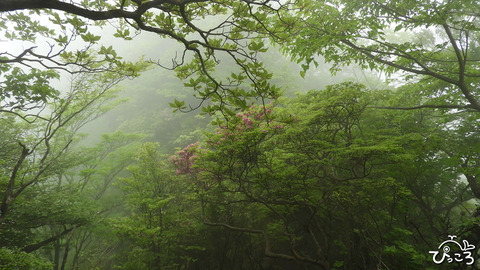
(257, 118)
(185, 159)
(244, 130)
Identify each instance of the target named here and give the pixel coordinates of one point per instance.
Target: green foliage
(437, 43)
(24, 88)
(342, 178)
(236, 30)
(160, 227)
(45, 195)
(15, 259)
(345, 182)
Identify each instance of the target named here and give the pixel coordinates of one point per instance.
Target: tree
(41, 200)
(432, 44)
(160, 231)
(205, 28)
(324, 181)
(91, 182)
(440, 43)
(328, 183)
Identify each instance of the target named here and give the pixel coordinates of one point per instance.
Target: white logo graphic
(459, 253)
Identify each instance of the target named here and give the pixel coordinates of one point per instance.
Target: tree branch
(8, 197)
(33, 247)
(445, 106)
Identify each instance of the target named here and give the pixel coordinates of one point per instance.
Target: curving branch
(444, 106)
(365, 41)
(138, 15)
(75, 113)
(268, 252)
(33, 247)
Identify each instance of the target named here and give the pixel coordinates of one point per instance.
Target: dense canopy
(319, 134)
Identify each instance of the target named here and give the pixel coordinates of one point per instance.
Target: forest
(239, 134)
